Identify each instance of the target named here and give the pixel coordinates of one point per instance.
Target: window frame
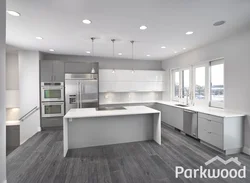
(205, 101)
(180, 98)
(216, 104)
(173, 97)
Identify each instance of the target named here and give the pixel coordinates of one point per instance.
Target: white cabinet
(223, 133)
(107, 86)
(124, 75)
(210, 132)
(128, 80)
(107, 75)
(170, 115)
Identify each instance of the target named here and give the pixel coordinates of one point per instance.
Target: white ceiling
(59, 22)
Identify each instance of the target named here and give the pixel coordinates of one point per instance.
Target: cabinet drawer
(211, 138)
(210, 126)
(210, 117)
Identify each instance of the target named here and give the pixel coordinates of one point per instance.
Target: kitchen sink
(110, 108)
(181, 105)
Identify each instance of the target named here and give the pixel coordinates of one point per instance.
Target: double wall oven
(52, 97)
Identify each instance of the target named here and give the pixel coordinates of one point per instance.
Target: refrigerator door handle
(80, 103)
(77, 95)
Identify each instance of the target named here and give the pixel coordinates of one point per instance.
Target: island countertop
(92, 112)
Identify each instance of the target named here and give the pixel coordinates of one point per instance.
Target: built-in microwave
(52, 91)
(52, 109)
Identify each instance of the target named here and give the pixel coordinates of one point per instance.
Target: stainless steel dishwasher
(190, 123)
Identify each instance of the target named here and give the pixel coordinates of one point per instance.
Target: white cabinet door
(107, 87)
(145, 86)
(210, 132)
(125, 75)
(175, 117)
(107, 75)
(139, 75)
(159, 86)
(124, 87)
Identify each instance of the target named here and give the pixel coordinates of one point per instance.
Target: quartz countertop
(202, 109)
(12, 123)
(92, 112)
(206, 110)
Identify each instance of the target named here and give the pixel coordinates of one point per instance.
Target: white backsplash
(109, 98)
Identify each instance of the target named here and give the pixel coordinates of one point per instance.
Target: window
(185, 83)
(176, 84)
(206, 87)
(217, 84)
(181, 84)
(200, 83)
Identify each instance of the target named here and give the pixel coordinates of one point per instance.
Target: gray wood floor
(40, 159)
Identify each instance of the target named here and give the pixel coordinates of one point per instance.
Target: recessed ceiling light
(52, 50)
(88, 52)
(175, 51)
(148, 55)
(184, 48)
(86, 21)
(40, 38)
(163, 47)
(219, 23)
(14, 13)
(189, 32)
(119, 53)
(143, 27)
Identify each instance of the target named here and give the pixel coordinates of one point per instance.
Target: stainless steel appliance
(52, 91)
(81, 91)
(190, 123)
(52, 109)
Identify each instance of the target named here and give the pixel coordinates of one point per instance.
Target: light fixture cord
(113, 40)
(92, 45)
(132, 42)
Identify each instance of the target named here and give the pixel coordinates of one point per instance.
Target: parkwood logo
(213, 173)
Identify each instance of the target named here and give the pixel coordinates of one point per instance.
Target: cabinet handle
(209, 132)
(51, 78)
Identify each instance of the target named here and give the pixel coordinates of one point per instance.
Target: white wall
(236, 51)
(29, 92)
(2, 92)
(12, 73)
(109, 63)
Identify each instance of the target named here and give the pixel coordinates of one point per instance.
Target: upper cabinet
(58, 71)
(131, 80)
(107, 75)
(80, 67)
(46, 71)
(52, 71)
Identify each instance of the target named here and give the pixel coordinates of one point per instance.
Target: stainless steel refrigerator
(81, 91)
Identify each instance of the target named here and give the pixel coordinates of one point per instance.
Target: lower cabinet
(52, 122)
(172, 116)
(12, 136)
(223, 133)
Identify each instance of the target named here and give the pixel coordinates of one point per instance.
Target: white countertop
(206, 110)
(201, 109)
(12, 123)
(92, 112)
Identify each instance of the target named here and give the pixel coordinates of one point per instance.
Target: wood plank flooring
(40, 160)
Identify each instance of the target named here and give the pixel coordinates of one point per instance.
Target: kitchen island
(92, 127)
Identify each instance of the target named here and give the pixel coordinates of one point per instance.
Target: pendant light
(93, 69)
(113, 41)
(132, 42)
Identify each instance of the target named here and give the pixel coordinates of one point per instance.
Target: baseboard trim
(246, 150)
